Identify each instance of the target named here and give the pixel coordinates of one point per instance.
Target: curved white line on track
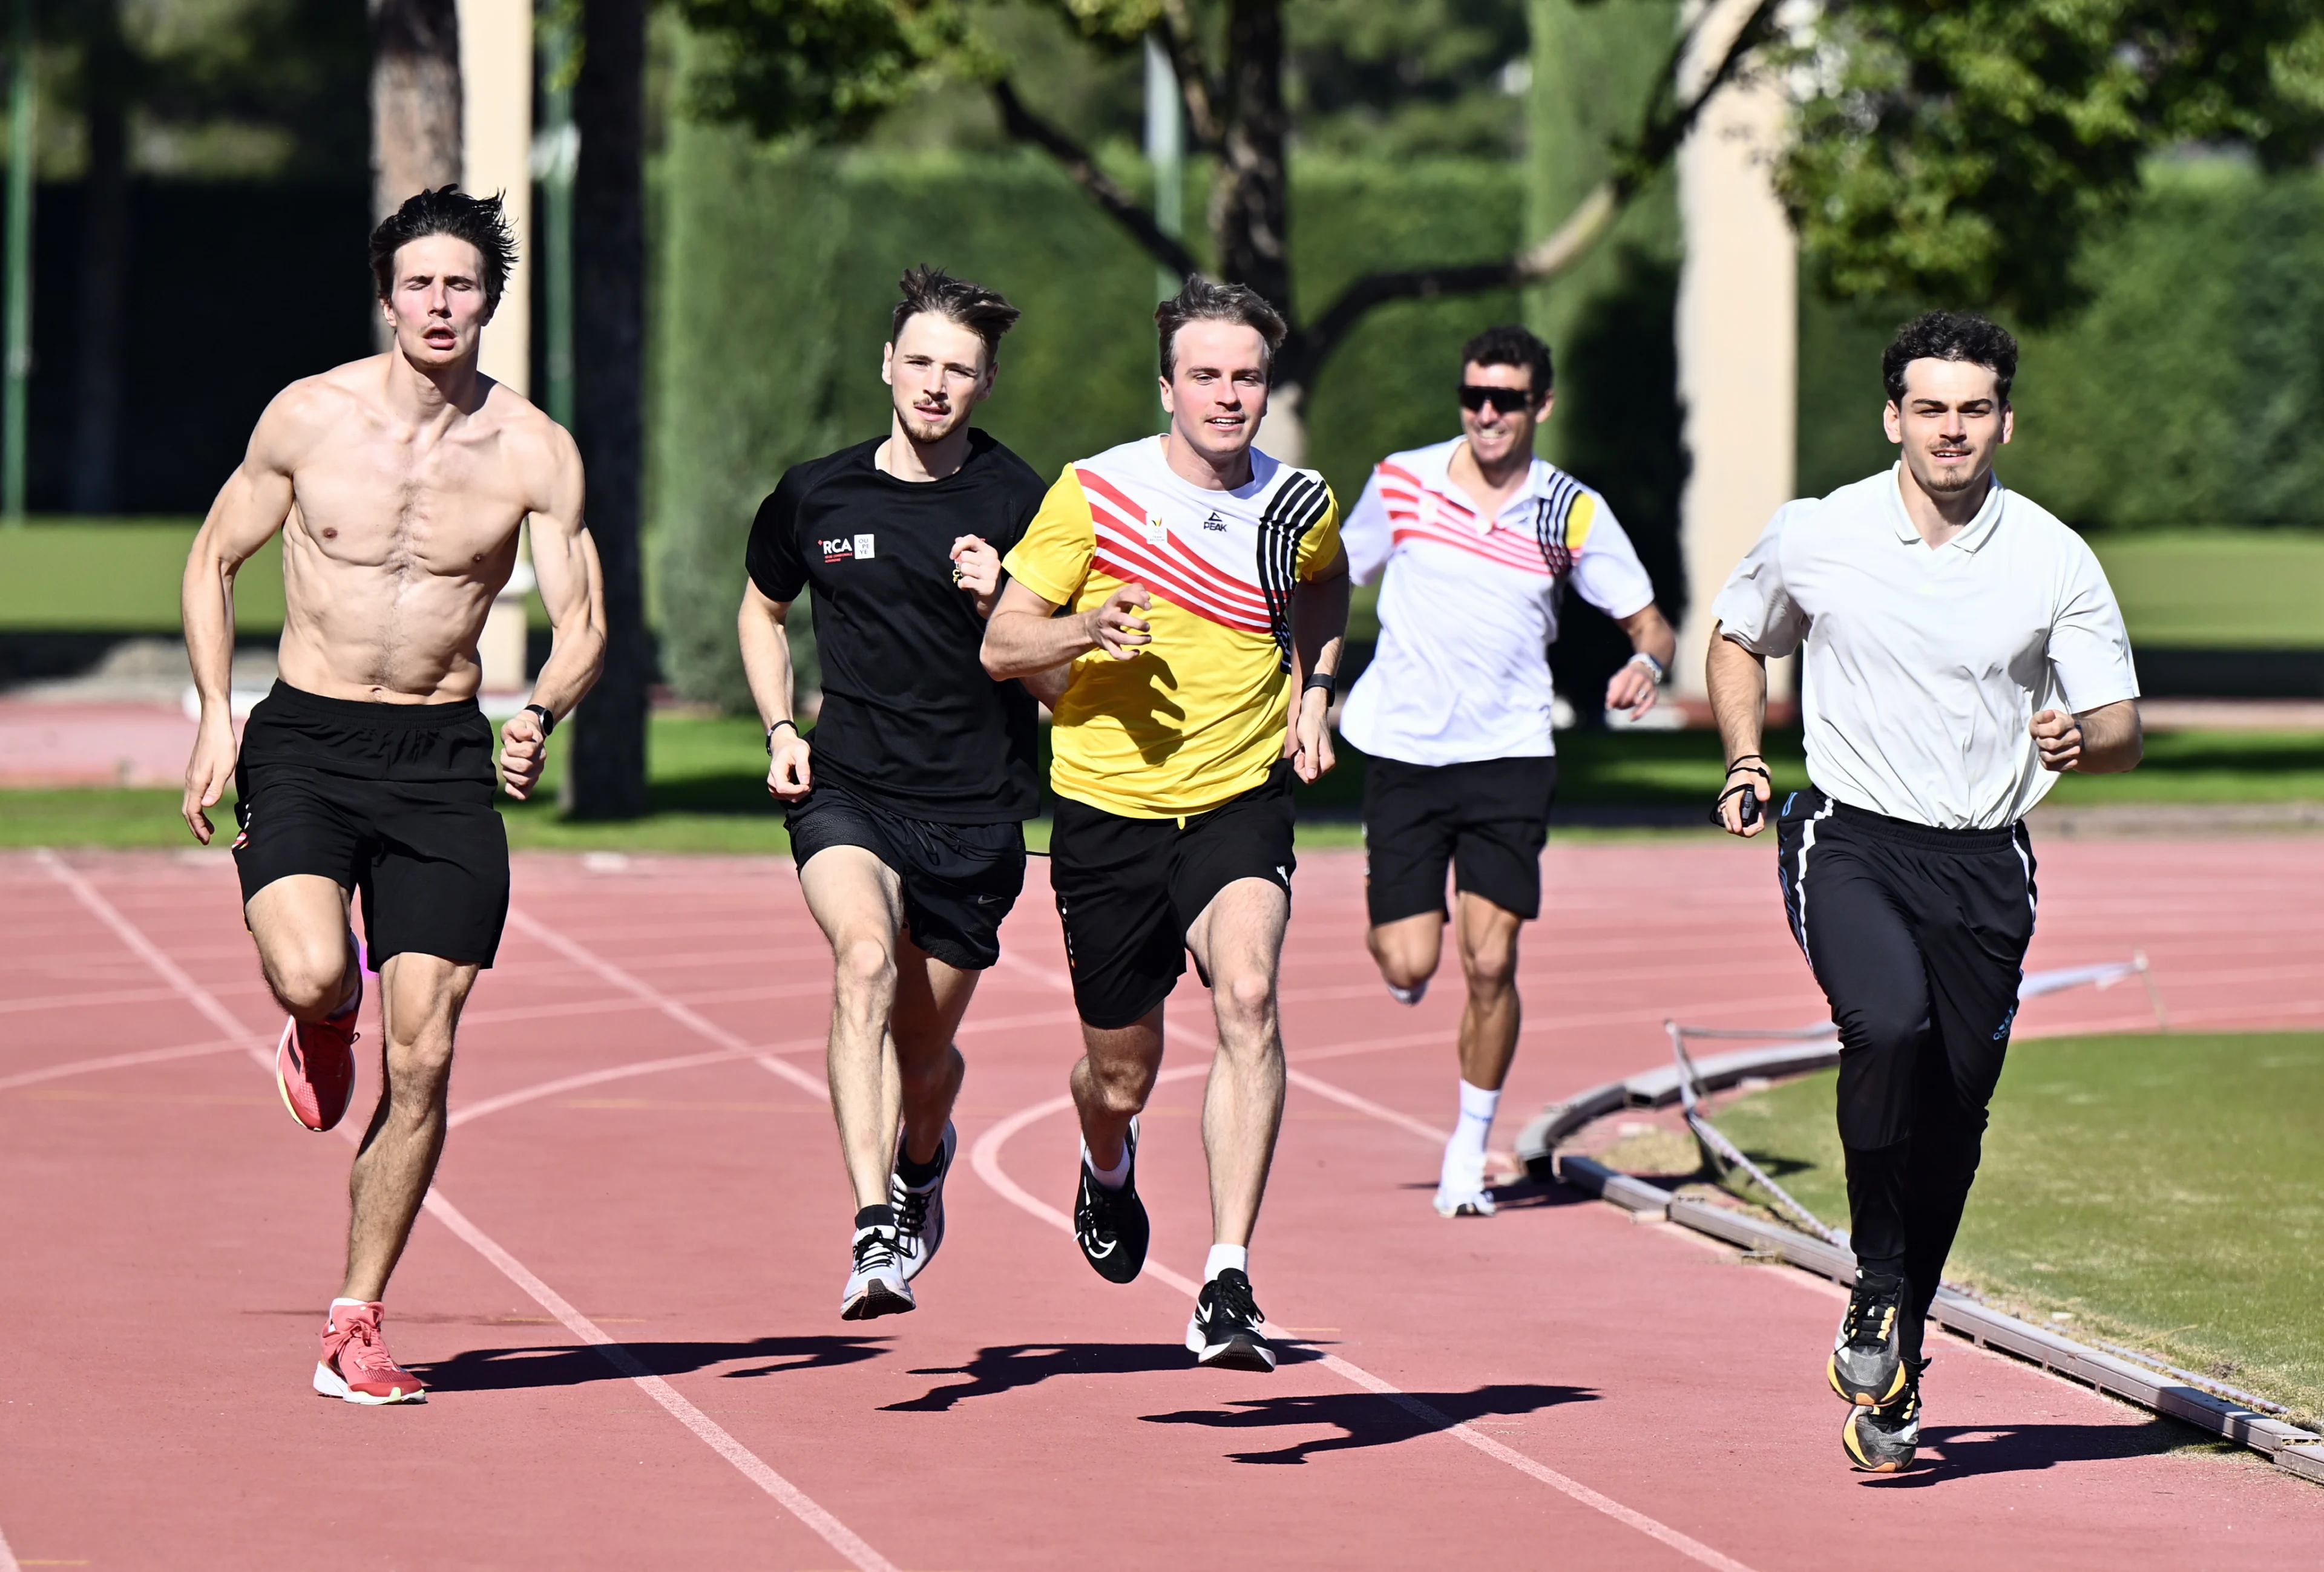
(121, 1061)
(510, 1100)
(802, 1506)
(7, 1557)
(985, 1158)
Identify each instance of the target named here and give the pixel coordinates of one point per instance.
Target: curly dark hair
(932, 289)
(1510, 344)
(1961, 335)
(1205, 300)
(448, 210)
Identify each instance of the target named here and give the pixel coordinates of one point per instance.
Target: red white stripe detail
(1167, 567)
(1503, 547)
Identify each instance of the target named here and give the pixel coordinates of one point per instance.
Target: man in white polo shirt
(1479, 539)
(1960, 647)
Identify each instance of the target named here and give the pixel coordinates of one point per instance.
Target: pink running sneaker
(314, 1066)
(355, 1365)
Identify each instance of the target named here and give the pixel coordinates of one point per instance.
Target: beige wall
(1738, 348)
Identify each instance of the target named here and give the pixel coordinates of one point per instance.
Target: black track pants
(1917, 937)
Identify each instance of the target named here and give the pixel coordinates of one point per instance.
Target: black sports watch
(786, 721)
(541, 713)
(1327, 681)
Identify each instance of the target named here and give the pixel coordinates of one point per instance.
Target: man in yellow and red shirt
(1207, 592)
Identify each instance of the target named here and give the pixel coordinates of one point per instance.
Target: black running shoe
(1110, 1225)
(919, 1209)
(1887, 1439)
(1225, 1330)
(1867, 1358)
(876, 1287)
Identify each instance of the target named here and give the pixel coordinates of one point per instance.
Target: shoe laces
(1231, 1299)
(1871, 1316)
(910, 1206)
(875, 1247)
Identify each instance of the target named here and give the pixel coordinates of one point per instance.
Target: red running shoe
(314, 1066)
(355, 1365)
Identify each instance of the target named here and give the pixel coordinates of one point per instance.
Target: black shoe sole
(877, 1302)
(1239, 1353)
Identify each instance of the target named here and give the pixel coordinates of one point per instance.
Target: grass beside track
(2165, 1191)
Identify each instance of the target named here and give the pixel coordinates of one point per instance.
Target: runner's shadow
(1520, 1194)
(1368, 1419)
(1966, 1451)
(565, 1365)
(1016, 1366)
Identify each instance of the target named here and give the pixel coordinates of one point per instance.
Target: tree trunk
(1250, 198)
(104, 275)
(415, 99)
(606, 773)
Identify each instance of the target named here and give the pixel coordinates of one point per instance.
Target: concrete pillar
(1738, 349)
(496, 156)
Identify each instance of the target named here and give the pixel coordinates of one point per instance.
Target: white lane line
(1364, 1104)
(120, 1061)
(797, 1502)
(985, 1158)
(76, 1001)
(509, 1099)
(7, 1557)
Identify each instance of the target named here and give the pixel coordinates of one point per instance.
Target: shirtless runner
(400, 483)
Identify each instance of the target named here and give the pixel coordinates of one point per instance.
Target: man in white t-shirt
(1479, 540)
(1959, 648)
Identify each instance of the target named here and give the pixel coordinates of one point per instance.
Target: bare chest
(451, 509)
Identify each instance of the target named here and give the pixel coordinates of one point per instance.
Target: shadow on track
(574, 1365)
(1367, 1419)
(1967, 1451)
(1016, 1366)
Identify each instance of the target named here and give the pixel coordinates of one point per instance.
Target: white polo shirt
(1469, 608)
(1922, 668)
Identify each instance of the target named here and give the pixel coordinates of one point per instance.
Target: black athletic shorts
(1487, 820)
(959, 880)
(1128, 889)
(392, 800)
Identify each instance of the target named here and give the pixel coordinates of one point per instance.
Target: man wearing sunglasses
(1478, 541)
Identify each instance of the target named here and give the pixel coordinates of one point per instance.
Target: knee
(1406, 959)
(310, 980)
(864, 969)
(1119, 1088)
(1490, 974)
(1245, 999)
(419, 1066)
(1883, 1031)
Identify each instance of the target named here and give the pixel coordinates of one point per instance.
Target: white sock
(1409, 995)
(1478, 1108)
(1223, 1256)
(1112, 1178)
(358, 1303)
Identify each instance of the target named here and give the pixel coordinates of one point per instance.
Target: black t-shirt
(909, 718)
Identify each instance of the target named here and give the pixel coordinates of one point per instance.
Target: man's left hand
(1632, 688)
(1311, 737)
(2058, 734)
(524, 753)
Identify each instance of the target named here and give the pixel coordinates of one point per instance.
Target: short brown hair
(971, 305)
(1204, 300)
(448, 210)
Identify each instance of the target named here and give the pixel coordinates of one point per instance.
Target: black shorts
(1128, 889)
(959, 880)
(392, 800)
(1488, 819)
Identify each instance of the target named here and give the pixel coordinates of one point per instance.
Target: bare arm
(1634, 688)
(1026, 637)
(1319, 632)
(2106, 740)
(573, 589)
(763, 627)
(250, 509)
(1737, 680)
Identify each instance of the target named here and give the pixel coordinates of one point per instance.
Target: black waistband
(1905, 829)
(285, 699)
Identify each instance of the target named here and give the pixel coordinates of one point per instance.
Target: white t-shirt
(1469, 608)
(1922, 668)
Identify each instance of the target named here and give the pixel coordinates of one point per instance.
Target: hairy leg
(859, 902)
(420, 999)
(931, 997)
(1238, 940)
(1111, 1081)
(1488, 939)
(300, 924)
(1407, 950)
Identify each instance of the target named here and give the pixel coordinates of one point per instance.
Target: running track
(644, 1162)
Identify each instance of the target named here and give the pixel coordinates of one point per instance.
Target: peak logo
(1214, 524)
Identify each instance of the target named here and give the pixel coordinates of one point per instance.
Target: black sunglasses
(1507, 400)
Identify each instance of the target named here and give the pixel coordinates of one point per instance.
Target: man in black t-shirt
(907, 803)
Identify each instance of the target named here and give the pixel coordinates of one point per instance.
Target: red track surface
(1554, 1386)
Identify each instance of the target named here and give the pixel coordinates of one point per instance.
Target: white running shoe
(1409, 995)
(1461, 1190)
(919, 1209)
(876, 1287)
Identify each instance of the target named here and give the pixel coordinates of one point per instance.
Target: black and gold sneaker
(1868, 1358)
(1886, 1438)
(1110, 1225)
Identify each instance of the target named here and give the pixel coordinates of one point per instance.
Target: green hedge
(775, 270)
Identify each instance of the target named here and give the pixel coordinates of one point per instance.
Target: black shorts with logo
(1487, 820)
(1128, 889)
(959, 880)
(393, 802)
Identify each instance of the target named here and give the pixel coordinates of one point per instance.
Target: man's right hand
(1730, 807)
(790, 774)
(1116, 626)
(207, 774)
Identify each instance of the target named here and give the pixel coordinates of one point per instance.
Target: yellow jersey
(1200, 715)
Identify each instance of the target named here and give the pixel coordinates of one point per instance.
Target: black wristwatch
(1325, 680)
(786, 721)
(541, 713)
